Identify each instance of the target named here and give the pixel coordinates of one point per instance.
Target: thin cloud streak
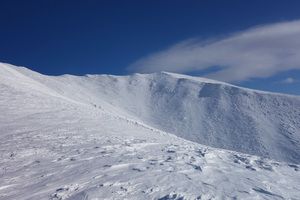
(288, 81)
(259, 52)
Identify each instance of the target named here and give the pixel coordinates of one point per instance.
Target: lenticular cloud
(259, 52)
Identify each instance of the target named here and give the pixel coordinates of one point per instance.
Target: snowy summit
(144, 136)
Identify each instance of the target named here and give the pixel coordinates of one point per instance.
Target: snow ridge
(106, 137)
(201, 110)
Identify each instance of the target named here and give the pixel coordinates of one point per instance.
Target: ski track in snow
(52, 147)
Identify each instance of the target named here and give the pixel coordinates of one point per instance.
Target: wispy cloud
(288, 80)
(259, 52)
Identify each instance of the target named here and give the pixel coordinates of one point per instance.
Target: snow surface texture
(105, 137)
(200, 110)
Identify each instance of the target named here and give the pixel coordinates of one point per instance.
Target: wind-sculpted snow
(201, 110)
(100, 137)
(208, 112)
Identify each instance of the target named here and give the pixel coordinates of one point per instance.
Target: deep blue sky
(56, 37)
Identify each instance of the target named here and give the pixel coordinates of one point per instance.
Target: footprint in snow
(171, 197)
(263, 165)
(239, 159)
(65, 192)
(296, 168)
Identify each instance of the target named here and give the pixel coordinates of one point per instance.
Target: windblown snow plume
(156, 136)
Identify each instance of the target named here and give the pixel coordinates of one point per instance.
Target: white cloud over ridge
(259, 52)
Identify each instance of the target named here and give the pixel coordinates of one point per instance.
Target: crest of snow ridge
(201, 110)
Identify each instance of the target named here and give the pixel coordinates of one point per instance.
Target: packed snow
(156, 136)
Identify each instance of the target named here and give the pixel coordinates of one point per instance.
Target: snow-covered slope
(201, 110)
(101, 137)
